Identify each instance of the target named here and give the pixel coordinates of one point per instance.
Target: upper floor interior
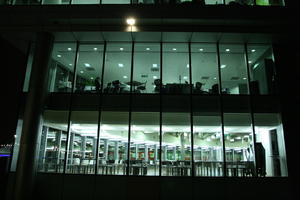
(157, 2)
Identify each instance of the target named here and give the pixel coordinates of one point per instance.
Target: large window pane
(89, 68)
(82, 142)
(207, 133)
(262, 69)
(270, 148)
(175, 68)
(117, 68)
(62, 67)
(205, 74)
(146, 72)
(238, 136)
(53, 141)
(233, 69)
(56, 1)
(144, 144)
(113, 147)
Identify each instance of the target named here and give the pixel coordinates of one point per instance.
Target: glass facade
(165, 109)
(199, 2)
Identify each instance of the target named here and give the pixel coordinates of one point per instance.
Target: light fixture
(174, 49)
(121, 65)
(87, 64)
(92, 78)
(148, 49)
(130, 21)
(121, 49)
(124, 76)
(227, 50)
(231, 140)
(154, 77)
(185, 77)
(249, 61)
(223, 66)
(244, 78)
(187, 65)
(70, 64)
(95, 49)
(81, 72)
(200, 49)
(69, 49)
(59, 55)
(154, 65)
(215, 78)
(253, 50)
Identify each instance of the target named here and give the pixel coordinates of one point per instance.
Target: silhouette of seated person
(198, 88)
(97, 84)
(157, 83)
(108, 88)
(215, 89)
(116, 86)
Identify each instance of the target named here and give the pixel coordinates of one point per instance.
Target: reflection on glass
(239, 144)
(233, 69)
(270, 149)
(176, 144)
(115, 1)
(89, 68)
(53, 141)
(82, 142)
(239, 2)
(208, 156)
(62, 67)
(262, 69)
(146, 72)
(175, 68)
(144, 144)
(47, 2)
(113, 148)
(117, 68)
(85, 1)
(205, 74)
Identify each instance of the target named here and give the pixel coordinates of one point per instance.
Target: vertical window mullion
(191, 111)
(221, 109)
(160, 110)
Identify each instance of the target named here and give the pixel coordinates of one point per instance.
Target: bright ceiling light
(92, 78)
(244, 78)
(249, 61)
(87, 64)
(200, 49)
(130, 21)
(148, 49)
(125, 77)
(185, 77)
(174, 49)
(70, 64)
(253, 50)
(81, 72)
(187, 65)
(121, 65)
(69, 49)
(227, 50)
(59, 55)
(95, 49)
(215, 78)
(223, 66)
(154, 65)
(121, 49)
(154, 77)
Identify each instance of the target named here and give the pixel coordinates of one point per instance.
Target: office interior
(162, 110)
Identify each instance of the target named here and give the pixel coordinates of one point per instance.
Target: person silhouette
(97, 84)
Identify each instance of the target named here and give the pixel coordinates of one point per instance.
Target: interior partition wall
(160, 109)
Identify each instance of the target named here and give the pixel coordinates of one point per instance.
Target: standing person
(97, 84)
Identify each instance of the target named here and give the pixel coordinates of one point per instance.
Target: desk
(177, 88)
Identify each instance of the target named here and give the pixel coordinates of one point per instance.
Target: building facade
(169, 99)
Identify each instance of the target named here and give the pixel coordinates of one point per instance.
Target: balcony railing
(148, 2)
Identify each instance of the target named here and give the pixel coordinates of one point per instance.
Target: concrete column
(58, 138)
(136, 151)
(146, 153)
(182, 146)
(83, 146)
(155, 153)
(174, 153)
(165, 152)
(116, 152)
(26, 167)
(94, 148)
(105, 151)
